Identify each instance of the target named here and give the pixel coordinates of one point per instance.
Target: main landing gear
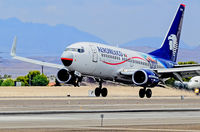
(101, 91)
(144, 91)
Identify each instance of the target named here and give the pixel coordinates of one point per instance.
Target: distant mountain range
(40, 39)
(153, 42)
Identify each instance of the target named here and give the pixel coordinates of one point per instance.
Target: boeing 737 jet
(107, 63)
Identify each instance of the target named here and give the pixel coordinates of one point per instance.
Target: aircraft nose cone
(67, 58)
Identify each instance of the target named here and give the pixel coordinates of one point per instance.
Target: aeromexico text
(110, 51)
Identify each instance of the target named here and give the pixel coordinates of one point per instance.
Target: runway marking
(94, 111)
(144, 129)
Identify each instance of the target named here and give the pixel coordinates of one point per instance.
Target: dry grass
(83, 91)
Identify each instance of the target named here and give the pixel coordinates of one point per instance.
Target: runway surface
(93, 103)
(129, 114)
(30, 109)
(112, 121)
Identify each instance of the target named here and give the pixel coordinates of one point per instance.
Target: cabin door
(94, 54)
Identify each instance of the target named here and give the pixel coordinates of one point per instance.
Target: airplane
(108, 63)
(194, 84)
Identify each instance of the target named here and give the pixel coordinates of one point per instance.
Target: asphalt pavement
(84, 114)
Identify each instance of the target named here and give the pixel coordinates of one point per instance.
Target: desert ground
(83, 91)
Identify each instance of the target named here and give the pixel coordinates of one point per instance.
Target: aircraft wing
(187, 65)
(177, 72)
(37, 62)
(182, 71)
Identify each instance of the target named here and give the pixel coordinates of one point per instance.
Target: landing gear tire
(148, 93)
(97, 92)
(57, 83)
(104, 92)
(142, 93)
(78, 84)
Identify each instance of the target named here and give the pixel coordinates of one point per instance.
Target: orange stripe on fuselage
(67, 59)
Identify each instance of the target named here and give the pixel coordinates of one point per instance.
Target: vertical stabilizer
(170, 45)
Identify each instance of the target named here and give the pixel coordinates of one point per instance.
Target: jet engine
(64, 76)
(145, 78)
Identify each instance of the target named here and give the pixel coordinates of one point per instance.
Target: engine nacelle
(145, 78)
(64, 76)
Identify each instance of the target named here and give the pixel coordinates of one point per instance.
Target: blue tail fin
(170, 45)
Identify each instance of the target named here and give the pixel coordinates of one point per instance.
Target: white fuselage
(103, 61)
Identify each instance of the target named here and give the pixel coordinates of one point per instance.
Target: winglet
(13, 50)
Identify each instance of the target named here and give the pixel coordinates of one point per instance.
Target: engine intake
(63, 76)
(145, 78)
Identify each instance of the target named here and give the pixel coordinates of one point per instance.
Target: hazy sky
(115, 21)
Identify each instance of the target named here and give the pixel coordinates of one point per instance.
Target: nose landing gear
(101, 91)
(77, 79)
(77, 82)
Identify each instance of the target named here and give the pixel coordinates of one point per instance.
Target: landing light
(196, 90)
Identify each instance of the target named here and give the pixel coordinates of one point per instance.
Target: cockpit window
(70, 49)
(80, 50)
